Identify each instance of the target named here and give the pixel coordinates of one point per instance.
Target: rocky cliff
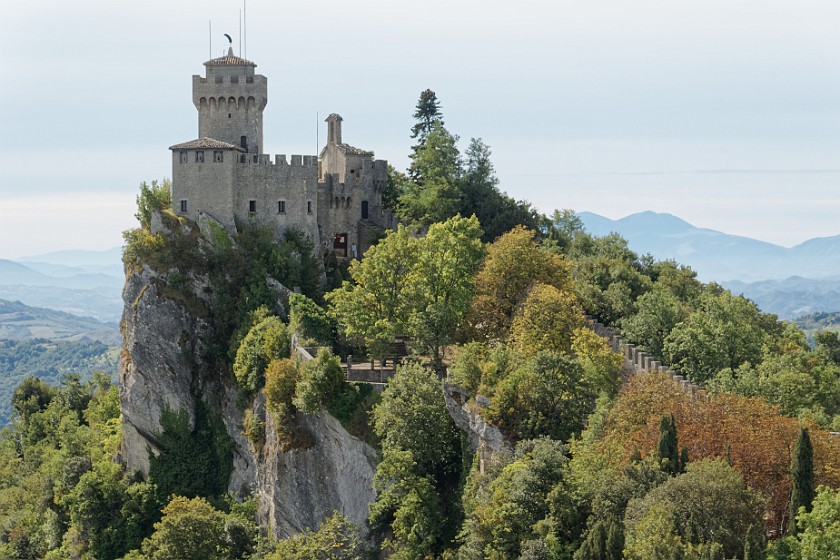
(164, 366)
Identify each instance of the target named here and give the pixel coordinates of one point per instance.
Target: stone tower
(230, 100)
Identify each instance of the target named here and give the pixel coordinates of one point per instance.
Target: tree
(602, 368)
(310, 321)
(412, 416)
(447, 260)
(152, 198)
(755, 543)
(377, 305)
(657, 313)
(545, 396)
(433, 196)
(480, 196)
(421, 287)
(668, 450)
(192, 529)
(546, 320)
(819, 529)
(707, 505)
(266, 341)
(802, 477)
(514, 263)
(427, 113)
(336, 539)
(320, 380)
(724, 331)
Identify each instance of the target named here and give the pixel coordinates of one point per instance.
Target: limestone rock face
(162, 366)
(486, 438)
(303, 486)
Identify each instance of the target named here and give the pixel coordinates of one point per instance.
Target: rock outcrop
(485, 438)
(163, 366)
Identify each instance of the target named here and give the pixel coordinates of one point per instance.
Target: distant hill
(718, 256)
(84, 283)
(792, 297)
(22, 322)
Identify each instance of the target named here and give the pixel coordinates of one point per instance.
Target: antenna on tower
(210, 37)
(317, 133)
(245, 29)
(240, 32)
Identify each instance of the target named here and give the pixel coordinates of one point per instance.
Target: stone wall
(637, 360)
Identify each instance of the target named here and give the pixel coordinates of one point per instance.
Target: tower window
(281, 206)
(364, 209)
(243, 142)
(228, 115)
(252, 206)
(184, 157)
(218, 156)
(199, 157)
(308, 206)
(183, 207)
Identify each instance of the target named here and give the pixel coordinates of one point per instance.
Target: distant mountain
(792, 297)
(84, 283)
(719, 256)
(22, 322)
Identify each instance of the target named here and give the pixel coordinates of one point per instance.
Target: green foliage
(480, 196)
(801, 477)
(602, 368)
(546, 395)
(336, 539)
(420, 471)
(520, 501)
(755, 544)
(192, 461)
(723, 331)
(513, 265)
(152, 198)
(406, 285)
(819, 529)
(546, 320)
(320, 379)
(310, 320)
(668, 453)
(192, 529)
(609, 278)
(47, 361)
(266, 341)
(427, 113)
(435, 169)
(412, 416)
(657, 313)
(708, 505)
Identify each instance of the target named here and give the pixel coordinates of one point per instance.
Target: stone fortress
(335, 198)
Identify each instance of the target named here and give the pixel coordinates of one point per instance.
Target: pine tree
(668, 450)
(427, 113)
(801, 477)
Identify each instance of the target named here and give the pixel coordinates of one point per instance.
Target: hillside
(22, 322)
(83, 283)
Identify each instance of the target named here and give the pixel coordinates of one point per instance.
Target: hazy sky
(723, 112)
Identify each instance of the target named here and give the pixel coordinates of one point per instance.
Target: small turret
(334, 128)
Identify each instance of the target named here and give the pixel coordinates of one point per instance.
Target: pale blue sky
(725, 113)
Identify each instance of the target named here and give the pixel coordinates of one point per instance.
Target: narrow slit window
(281, 206)
(308, 206)
(252, 206)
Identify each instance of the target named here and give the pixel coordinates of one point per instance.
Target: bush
(266, 341)
(320, 381)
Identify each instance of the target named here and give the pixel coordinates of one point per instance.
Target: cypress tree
(614, 548)
(683, 459)
(594, 545)
(668, 450)
(801, 477)
(636, 455)
(755, 544)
